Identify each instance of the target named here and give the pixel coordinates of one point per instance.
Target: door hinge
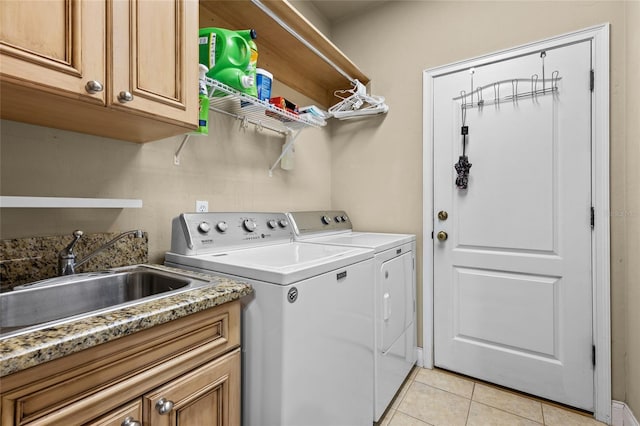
(593, 355)
(593, 217)
(592, 80)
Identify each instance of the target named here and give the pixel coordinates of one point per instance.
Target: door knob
(442, 236)
(125, 96)
(442, 215)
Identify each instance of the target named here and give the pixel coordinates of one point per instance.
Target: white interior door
(512, 281)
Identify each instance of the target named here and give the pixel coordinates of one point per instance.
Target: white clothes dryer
(394, 293)
(307, 340)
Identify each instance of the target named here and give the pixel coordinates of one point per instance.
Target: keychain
(463, 165)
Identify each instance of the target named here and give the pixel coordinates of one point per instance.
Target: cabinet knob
(164, 406)
(93, 86)
(129, 421)
(125, 96)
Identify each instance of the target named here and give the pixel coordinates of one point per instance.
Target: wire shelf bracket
(250, 110)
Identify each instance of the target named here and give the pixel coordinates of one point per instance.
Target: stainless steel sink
(62, 299)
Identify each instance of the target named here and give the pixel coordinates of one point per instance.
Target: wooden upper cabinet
(154, 58)
(57, 45)
(143, 54)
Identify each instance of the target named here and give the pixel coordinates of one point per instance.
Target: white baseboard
(621, 415)
(419, 360)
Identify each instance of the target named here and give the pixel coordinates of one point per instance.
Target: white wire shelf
(226, 100)
(249, 110)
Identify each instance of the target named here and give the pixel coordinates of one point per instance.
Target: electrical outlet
(202, 206)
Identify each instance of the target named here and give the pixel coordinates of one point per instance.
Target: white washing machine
(307, 331)
(394, 293)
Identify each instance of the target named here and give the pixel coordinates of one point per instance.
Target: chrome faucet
(67, 258)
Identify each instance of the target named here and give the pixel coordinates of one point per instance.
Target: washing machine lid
(377, 241)
(278, 264)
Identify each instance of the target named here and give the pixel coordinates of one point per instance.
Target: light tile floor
(440, 398)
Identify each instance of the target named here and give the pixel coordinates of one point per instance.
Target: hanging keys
(462, 166)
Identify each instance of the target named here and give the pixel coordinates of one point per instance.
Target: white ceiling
(337, 10)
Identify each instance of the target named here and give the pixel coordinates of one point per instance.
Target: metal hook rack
(249, 110)
(534, 91)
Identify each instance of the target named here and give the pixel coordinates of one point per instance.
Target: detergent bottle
(250, 35)
(227, 54)
(203, 100)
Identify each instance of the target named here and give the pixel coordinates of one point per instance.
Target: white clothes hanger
(357, 103)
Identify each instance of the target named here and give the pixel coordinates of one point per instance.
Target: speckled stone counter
(33, 348)
(25, 260)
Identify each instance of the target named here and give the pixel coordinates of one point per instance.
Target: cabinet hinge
(593, 217)
(592, 80)
(593, 355)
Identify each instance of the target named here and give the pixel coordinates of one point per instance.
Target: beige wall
(228, 168)
(374, 166)
(632, 209)
(381, 158)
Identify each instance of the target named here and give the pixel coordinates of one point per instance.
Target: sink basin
(57, 300)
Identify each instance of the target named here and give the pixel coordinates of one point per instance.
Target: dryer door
(396, 302)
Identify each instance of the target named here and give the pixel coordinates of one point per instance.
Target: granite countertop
(30, 349)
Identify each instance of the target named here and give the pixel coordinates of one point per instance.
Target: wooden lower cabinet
(126, 415)
(186, 372)
(209, 395)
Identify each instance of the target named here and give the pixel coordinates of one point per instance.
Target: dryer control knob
(271, 223)
(222, 226)
(204, 227)
(326, 220)
(338, 219)
(249, 225)
(283, 223)
(345, 218)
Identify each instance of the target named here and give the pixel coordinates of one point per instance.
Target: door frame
(600, 238)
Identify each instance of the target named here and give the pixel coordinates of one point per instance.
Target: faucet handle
(77, 234)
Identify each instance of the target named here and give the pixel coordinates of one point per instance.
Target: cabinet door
(126, 415)
(58, 45)
(154, 58)
(209, 395)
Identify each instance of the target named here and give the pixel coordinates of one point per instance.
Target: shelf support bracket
(176, 156)
(290, 139)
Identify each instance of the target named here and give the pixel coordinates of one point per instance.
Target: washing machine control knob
(326, 220)
(222, 226)
(345, 218)
(271, 223)
(204, 227)
(249, 225)
(338, 219)
(283, 223)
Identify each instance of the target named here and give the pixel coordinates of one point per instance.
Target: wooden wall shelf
(62, 202)
(282, 54)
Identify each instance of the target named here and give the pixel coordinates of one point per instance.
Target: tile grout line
(466, 420)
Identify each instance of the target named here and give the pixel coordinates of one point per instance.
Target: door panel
(506, 310)
(61, 47)
(154, 57)
(512, 283)
(513, 165)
